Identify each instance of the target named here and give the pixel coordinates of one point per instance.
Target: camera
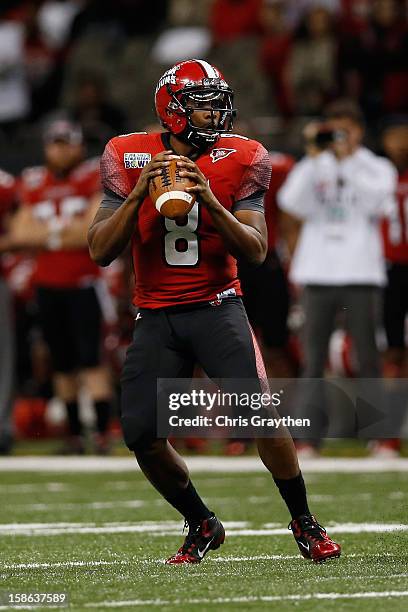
(326, 137)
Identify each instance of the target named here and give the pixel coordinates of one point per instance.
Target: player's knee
(147, 445)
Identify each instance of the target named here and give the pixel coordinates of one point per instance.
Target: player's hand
(202, 189)
(309, 133)
(152, 169)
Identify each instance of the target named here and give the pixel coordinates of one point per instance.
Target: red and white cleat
(202, 537)
(312, 539)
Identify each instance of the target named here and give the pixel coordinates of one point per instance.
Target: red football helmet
(191, 86)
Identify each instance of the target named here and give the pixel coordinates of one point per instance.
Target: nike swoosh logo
(305, 546)
(201, 553)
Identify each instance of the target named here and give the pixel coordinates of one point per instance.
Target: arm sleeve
(111, 200)
(252, 202)
(113, 174)
(257, 175)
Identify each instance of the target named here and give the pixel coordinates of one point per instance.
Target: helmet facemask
(214, 96)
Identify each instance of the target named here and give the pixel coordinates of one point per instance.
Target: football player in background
(265, 288)
(395, 231)
(58, 201)
(395, 234)
(8, 198)
(187, 289)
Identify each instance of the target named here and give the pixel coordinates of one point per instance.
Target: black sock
(293, 492)
(190, 505)
(103, 412)
(74, 424)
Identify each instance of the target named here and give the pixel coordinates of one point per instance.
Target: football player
(58, 201)
(8, 194)
(395, 234)
(187, 289)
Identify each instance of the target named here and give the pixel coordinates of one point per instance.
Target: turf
(127, 567)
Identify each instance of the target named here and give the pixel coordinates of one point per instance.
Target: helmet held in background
(189, 87)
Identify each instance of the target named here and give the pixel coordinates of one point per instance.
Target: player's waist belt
(191, 306)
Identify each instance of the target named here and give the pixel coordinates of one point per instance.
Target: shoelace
(312, 527)
(194, 531)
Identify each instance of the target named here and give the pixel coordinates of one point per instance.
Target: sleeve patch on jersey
(217, 154)
(136, 160)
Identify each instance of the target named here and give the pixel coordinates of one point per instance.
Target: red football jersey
(7, 199)
(395, 229)
(186, 261)
(62, 198)
(282, 165)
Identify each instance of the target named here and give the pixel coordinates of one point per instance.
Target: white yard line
(170, 528)
(197, 464)
(53, 487)
(211, 559)
(102, 505)
(263, 598)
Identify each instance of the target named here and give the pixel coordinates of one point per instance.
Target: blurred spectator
(275, 52)
(185, 12)
(395, 144)
(120, 18)
(43, 63)
(373, 61)
(312, 64)
(14, 91)
(55, 19)
(295, 10)
(98, 116)
(231, 19)
(58, 202)
(340, 191)
(7, 201)
(354, 15)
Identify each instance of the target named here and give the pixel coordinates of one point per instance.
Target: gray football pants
(360, 305)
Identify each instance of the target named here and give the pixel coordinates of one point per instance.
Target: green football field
(101, 537)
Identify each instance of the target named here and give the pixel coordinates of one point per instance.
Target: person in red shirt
(395, 238)
(231, 19)
(58, 200)
(7, 344)
(395, 234)
(187, 289)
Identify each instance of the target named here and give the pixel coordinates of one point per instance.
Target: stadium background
(98, 62)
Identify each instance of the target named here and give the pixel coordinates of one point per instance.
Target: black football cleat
(202, 537)
(312, 539)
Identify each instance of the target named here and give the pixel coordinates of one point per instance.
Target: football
(168, 192)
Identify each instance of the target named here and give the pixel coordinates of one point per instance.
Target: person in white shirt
(340, 191)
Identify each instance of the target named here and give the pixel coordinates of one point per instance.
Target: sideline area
(198, 464)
